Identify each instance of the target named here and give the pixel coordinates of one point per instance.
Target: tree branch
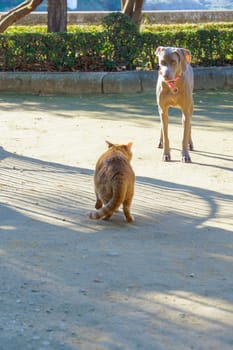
(18, 12)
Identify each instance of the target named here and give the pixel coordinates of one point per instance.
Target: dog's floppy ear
(185, 57)
(158, 50)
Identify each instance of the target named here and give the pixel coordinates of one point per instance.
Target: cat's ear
(130, 144)
(109, 143)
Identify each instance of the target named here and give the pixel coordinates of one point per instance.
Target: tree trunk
(137, 14)
(57, 15)
(133, 8)
(18, 12)
(129, 7)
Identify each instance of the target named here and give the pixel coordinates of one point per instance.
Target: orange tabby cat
(114, 182)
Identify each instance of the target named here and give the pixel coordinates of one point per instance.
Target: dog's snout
(166, 74)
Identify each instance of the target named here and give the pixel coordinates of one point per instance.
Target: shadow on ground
(218, 106)
(71, 283)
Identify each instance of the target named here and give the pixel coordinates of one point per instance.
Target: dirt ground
(163, 282)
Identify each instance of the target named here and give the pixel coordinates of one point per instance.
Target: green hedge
(107, 48)
(209, 47)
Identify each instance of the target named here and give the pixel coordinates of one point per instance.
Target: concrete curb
(105, 82)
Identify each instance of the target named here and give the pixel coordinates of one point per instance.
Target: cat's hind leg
(126, 210)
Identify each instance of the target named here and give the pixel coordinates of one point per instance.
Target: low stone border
(105, 82)
(158, 17)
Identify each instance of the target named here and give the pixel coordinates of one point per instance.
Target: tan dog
(174, 89)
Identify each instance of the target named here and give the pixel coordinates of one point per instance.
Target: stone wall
(104, 82)
(156, 17)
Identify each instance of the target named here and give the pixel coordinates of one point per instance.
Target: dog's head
(172, 61)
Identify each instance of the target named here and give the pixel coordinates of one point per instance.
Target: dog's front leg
(164, 140)
(187, 141)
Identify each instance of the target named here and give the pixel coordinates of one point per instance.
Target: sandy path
(68, 283)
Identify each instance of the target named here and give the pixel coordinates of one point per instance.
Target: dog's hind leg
(160, 143)
(190, 144)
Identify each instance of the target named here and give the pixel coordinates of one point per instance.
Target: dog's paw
(186, 158)
(160, 144)
(191, 147)
(166, 157)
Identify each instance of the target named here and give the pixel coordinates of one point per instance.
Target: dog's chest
(171, 98)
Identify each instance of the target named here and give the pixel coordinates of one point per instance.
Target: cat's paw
(98, 204)
(129, 218)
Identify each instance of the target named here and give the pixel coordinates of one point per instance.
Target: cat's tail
(107, 211)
